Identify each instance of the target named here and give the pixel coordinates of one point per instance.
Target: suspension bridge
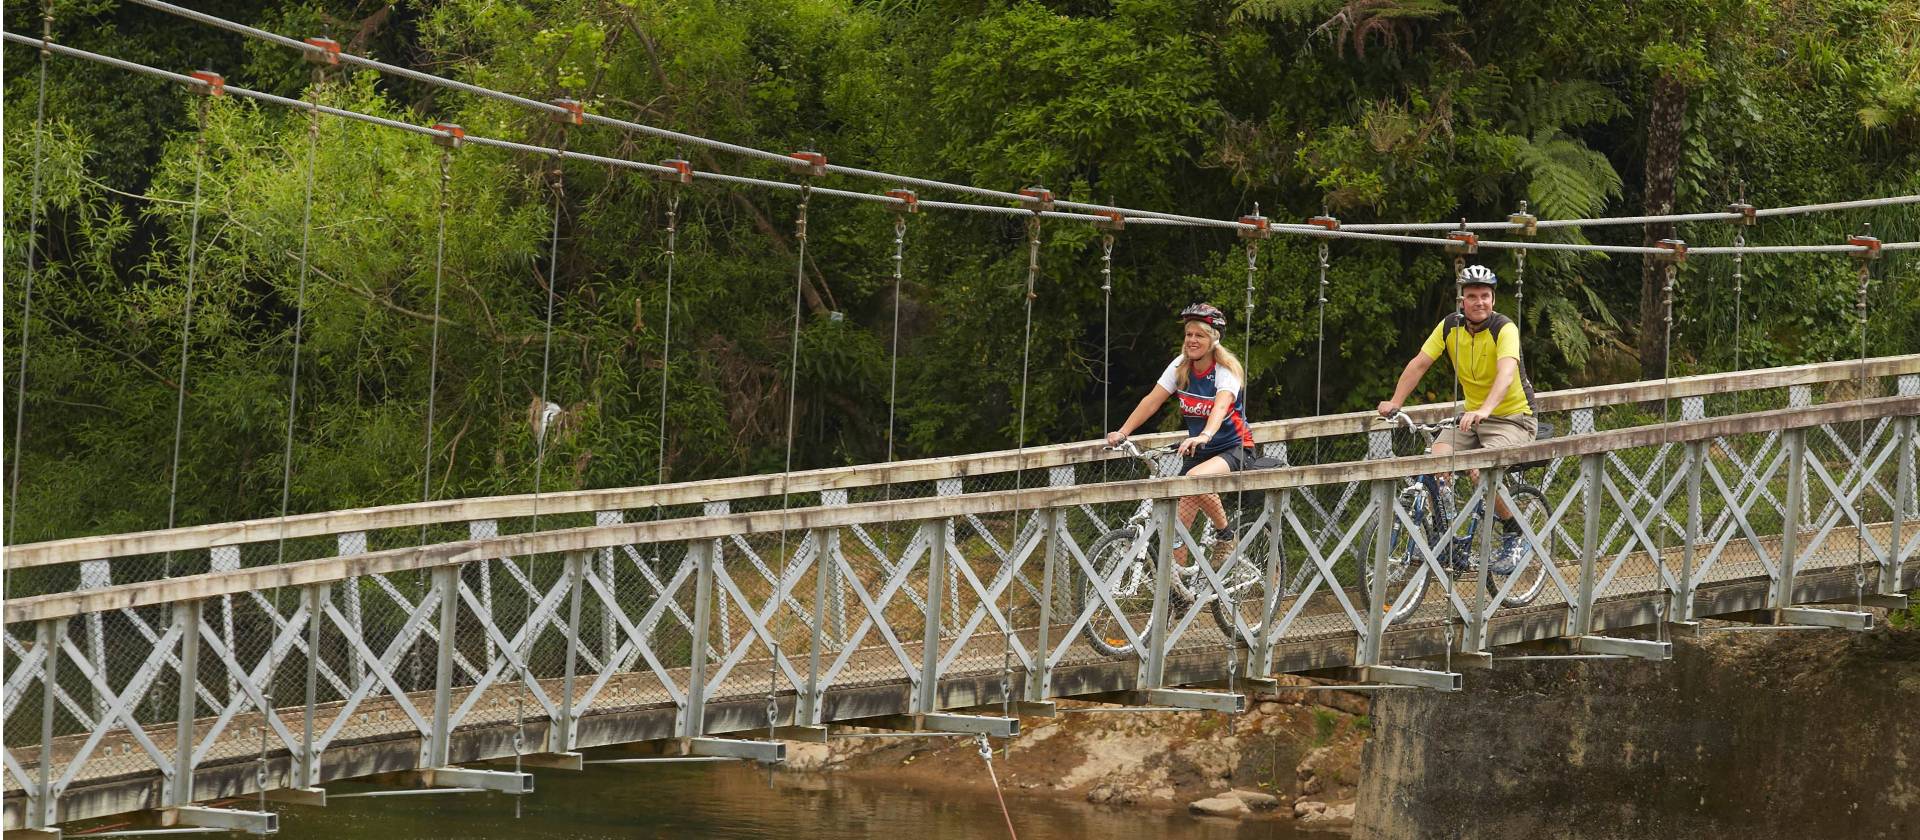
(186, 676)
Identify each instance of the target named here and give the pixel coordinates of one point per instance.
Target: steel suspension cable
(1020, 458)
(893, 372)
(33, 242)
(761, 154)
(186, 319)
(1739, 259)
(1865, 275)
(1106, 340)
(1320, 344)
(300, 303)
(793, 374)
(549, 411)
(1253, 265)
(433, 352)
(1663, 609)
(893, 365)
(666, 329)
(1132, 216)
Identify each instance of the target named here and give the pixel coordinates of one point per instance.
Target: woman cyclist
(1207, 377)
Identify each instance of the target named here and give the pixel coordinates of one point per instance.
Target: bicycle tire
(1404, 558)
(1245, 593)
(1531, 504)
(1113, 556)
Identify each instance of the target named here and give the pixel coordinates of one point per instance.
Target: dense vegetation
(1387, 110)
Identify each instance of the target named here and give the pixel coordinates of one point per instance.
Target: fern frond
(1566, 180)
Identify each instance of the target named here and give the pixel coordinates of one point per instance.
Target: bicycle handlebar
(1400, 419)
(1128, 447)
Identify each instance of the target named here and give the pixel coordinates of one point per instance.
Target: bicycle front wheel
(1405, 559)
(1529, 561)
(1124, 560)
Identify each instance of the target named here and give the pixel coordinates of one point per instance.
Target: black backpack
(1494, 323)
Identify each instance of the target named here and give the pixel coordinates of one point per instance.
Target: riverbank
(1292, 758)
(1769, 733)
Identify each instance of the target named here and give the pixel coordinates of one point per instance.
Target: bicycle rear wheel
(1241, 579)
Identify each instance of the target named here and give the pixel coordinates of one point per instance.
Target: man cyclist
(1484, 347)
(1207, 378)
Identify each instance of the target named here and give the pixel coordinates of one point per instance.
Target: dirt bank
(1289, 753)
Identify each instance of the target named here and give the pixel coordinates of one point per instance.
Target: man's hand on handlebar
(1114, 439)
(1472, 419)
(1387, 408)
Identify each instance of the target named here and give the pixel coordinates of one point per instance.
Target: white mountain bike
(1125, 557)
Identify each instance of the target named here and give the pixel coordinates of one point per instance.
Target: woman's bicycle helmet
(1205, 313)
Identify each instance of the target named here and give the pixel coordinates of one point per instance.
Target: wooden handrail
(201, 537)
(330, 569)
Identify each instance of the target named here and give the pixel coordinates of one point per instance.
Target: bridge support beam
(316, 598)
(693, 718)
(1377, 589)
(1796, 447)
(806, 708)
(561, 734)
(1153, 667)
(499, 781)
(546, 760)
(1260, 655)
(1592, 472)
(1186, 698)
(446, 584)
(1651, 651)
(1040, 676)
(1416, 677)
(992, 726)
(1838, 619)
(1494, 481)
(250, 822)
(807, 734)
(1681, 608)
(1904, 495)
(312, 797)
(187, 617)
(927, 698)
(765, 752)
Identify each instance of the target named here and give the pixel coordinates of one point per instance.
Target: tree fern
(1566, 180)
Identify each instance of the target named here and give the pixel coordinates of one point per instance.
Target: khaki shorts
(1492, 433)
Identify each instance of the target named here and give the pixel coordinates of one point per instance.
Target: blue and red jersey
(1196, 404)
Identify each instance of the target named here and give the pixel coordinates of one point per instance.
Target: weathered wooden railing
(165, 692)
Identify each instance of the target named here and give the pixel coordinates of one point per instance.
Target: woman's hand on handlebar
(1114, 439)
(1193, 444)
(1387, 408)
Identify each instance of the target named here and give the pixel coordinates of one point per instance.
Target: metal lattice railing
(629, 627)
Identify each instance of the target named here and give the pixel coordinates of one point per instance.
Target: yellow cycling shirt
(1476, 357)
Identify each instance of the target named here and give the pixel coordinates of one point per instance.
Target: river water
(733, 802)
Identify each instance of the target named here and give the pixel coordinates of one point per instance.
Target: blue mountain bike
(1430, 502)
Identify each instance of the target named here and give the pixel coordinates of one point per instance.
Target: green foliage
(1372, 109)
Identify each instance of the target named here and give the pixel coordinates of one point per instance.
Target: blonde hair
(1221, 356)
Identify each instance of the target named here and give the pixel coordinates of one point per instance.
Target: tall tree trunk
(1666, 109)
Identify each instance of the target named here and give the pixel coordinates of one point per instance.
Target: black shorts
(1237, 460)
